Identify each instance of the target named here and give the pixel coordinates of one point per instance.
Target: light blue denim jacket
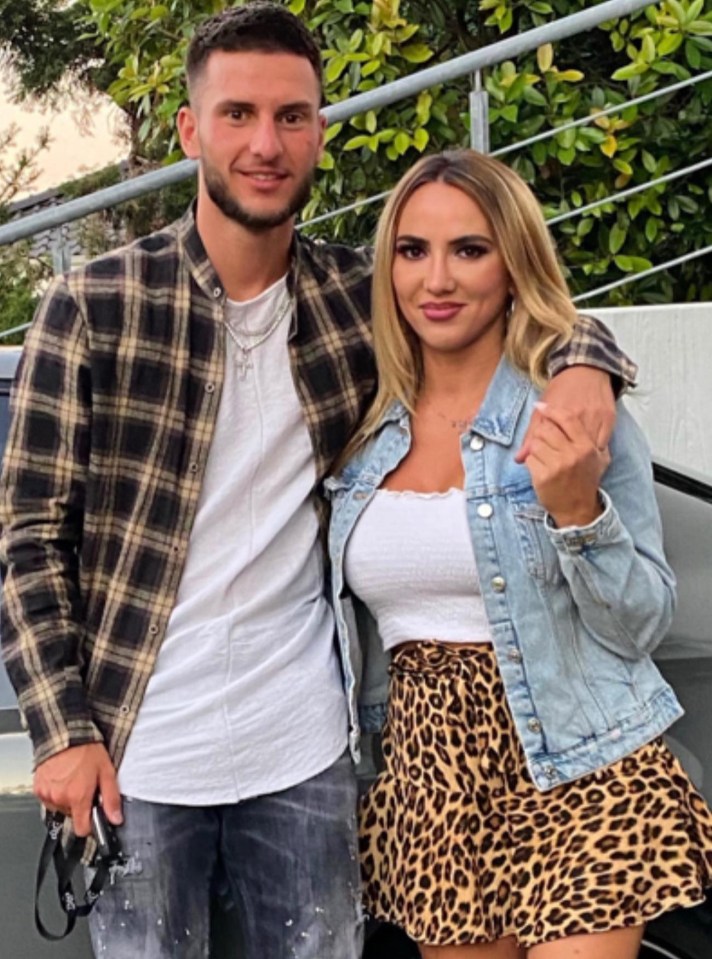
(574, 613)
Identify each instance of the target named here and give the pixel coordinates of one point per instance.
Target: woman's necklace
(244, 362)
(453, 422)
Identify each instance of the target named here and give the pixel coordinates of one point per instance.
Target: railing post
(479, 115)
(61, 251)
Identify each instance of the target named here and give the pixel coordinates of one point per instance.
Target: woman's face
(448, 275)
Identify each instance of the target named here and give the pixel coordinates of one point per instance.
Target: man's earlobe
(188, 132)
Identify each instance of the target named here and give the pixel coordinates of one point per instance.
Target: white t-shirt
(246, 697)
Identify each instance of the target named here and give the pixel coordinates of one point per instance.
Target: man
(164, 620)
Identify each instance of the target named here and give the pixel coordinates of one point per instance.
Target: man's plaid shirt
(114, 410)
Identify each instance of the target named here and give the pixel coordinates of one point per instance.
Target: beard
(219, 193)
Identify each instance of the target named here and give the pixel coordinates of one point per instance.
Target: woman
(528, 806)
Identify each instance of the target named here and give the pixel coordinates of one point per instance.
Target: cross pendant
(244, 364)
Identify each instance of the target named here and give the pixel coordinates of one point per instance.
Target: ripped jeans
(287, 860)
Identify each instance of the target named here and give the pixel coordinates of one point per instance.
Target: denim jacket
(574, 613)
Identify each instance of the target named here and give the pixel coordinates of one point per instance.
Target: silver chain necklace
(244, 362)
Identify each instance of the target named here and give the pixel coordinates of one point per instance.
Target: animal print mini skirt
(458, 846)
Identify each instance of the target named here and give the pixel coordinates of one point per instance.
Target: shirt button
(514, 655)
(209, 387)
(217, 292)
(534, 726)
(153, 629)
(124, 710)
(476, 443)
(193, 468)
(499, 584)
(485, 510)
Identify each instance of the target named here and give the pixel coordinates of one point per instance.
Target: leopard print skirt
(458, 846)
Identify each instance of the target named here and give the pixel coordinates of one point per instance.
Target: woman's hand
(566, 466)
(585, 391)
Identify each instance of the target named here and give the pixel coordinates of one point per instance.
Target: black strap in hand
(65, 862)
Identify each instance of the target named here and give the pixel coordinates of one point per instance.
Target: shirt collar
(501, 408)
(301, 273)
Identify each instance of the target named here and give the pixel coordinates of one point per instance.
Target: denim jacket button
(476, 443)
(534, 726)
(499, 584)
(485, 510)
(514, 655)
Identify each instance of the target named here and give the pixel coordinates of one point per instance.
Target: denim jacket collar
(501, 408)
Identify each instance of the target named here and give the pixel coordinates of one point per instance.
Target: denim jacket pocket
(539, 552)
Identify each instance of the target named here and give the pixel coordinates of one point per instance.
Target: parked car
(685, 657)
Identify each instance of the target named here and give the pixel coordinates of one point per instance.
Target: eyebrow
(457, 241)
(298, 105)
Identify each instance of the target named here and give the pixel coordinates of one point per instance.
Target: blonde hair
(542, 314)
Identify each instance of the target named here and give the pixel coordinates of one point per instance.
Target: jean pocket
(540, 555)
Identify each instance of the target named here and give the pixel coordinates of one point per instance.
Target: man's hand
(566, 467)
(584, 391)
(68, 782)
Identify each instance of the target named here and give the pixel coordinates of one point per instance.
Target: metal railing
(468, 64)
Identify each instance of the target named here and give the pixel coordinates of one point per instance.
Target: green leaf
(540, 153)
(694, 10)
(632, 264)
(567, 138)
(545, 57)
(534, 97)
(622, 166)
(356, 143)
(693, 54)
(422, 106)
(368, 68)
(420, 139)
(570, 76)
(402, 142)
(326, 162)
(677, 10)
(669, 44)
(649, 162)
(635, 205)
(616, 238)
(701, 27)
(510, 112)
(416, 53)
(632, 70)
(371, 121)
(647, 49)
(332, 131)
(652, 225)
(335, 68)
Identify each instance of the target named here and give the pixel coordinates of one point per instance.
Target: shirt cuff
(573, 539)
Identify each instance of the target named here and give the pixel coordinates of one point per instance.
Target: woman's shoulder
(395, 422)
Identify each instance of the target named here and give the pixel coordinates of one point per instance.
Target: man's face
(255, 127)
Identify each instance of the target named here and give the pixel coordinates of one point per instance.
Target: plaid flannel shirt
(114, 410)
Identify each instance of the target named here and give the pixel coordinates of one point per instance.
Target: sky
(84, 135)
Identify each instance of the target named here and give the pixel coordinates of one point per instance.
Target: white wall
(672, 344)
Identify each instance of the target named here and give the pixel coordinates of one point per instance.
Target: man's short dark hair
(259, 26)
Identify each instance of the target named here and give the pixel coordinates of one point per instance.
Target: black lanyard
(66, 861)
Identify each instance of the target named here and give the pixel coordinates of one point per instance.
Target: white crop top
(410, 560)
